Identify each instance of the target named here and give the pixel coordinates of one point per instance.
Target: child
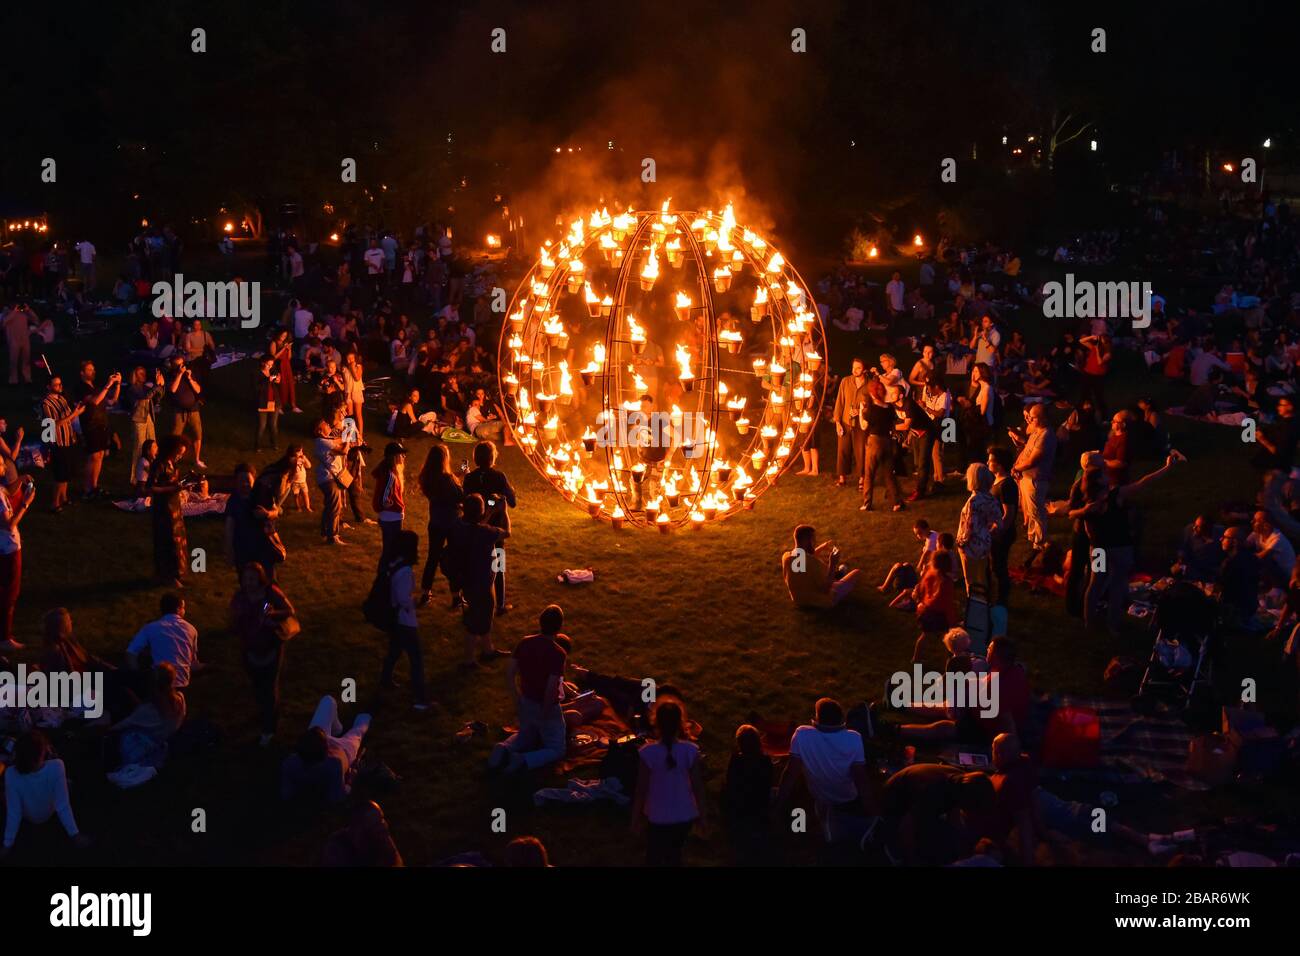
(148, 452)
(298, 490)
(934, 601)
(904, 576)
(957, 642)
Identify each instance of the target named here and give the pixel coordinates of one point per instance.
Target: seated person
(830, 759)
(747, 788)
(1274, 551)
(142, 737)
(1010, 692)
(925, 808)
(812, 581)
(321, 765)
(960, 719)
(904, 576)
(365, 841)
(36, 788)
(1199, 556)
(1239, 576)
(933, 598)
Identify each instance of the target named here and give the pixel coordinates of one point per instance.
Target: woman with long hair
(281, 350)
(355, 395)
(669, 788)
(170, 545)
(36, 788)
(441, 487)
(144, 734)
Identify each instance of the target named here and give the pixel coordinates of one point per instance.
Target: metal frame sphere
(621, 430)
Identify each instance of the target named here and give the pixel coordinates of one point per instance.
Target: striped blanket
(1152, 747)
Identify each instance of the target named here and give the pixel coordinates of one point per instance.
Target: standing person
(390, 497)
(850, 438)
(918, 431)
(240, 527)
(354, 391)
(1032, 471)
(535, 677)
(979, 412)
(60, 415)
(281, 351)
(1106, 516)
(183, 392)
(1117, 453)
(141, 399)
(879, 422)
(986, 343)
(498, 497)
(937, 402)
(14, 502)
(1096, 364)
(896, 296)
(669, 788)
(171, 552)
(267, 390)
(96, 434)
(86, 254)
(263, 619)
(442, 488)
(474, 551)
(18, 324)
(1080, 560)
(333, 479)
(979, 521)
(404, 638)
(1007, 495)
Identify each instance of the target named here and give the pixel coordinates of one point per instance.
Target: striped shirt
(56, 408)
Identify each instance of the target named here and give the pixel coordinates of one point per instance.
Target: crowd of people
(395, 335)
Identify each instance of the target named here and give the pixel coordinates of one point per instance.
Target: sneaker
(866, 508)
(900, 507)
(345, 526)
(296, 410)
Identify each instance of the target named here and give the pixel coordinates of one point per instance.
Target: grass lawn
(706, 611)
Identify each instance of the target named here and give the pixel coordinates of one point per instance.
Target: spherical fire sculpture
(662, 368)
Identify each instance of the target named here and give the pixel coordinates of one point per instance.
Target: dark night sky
(711, 91)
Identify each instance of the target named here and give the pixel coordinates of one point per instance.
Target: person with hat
(389, 496)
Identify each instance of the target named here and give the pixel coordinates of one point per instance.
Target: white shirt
(36, 797)
(473, 419)
(895, 292)
(827, 758)
(302, 320)
(374, 261)
(172, 639)
(87, 250)
(401, 585)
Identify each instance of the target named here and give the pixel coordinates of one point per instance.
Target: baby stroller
(1179, 667)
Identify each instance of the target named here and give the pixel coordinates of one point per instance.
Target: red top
(539, 658)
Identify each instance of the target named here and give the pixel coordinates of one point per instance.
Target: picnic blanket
(1152, 746)
(191, 508)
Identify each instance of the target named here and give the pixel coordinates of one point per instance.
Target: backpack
(378, 608)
